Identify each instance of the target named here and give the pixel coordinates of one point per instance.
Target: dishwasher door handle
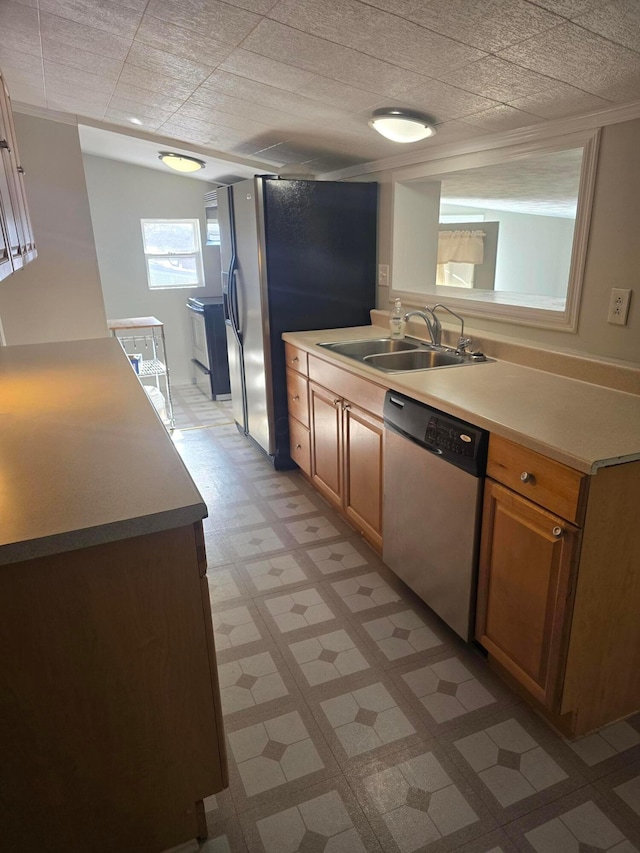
(396, 402)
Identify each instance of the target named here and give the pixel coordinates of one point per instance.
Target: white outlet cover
(619, 306)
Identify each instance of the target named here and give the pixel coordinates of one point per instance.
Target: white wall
(120, 195)
(57, 297)
(613, 254)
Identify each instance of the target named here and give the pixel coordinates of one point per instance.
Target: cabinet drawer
(296, 359)
(300, 445)
(550, 484)
(298, 397)
(362, 392)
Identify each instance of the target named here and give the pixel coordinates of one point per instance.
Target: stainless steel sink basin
(395, 356)
(418, 359)
(370, 346)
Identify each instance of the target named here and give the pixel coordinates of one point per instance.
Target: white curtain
(461, 247)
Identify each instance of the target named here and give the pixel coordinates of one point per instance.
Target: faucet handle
(463, 343)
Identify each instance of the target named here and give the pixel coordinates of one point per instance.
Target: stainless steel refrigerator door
(235, 376)
(253, 312)
(431, 520)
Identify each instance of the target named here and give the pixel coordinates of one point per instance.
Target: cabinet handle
(557, 531)
(526, 477)
(337, 401)
(298, 447)
(295, 397)
(20, 170)
(294, 359)
(346, 405)
(5, 144)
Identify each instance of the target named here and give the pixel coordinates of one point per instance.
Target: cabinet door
(11, 197)
(325, 410)
(527, 558)
(362, 443)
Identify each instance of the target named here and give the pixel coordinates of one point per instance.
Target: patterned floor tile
(324, 817)
(515, 762)
(256, 542)
(236, 628)
(316, 528)
(453, 689)
(622, 790)
(327, 657)
(343, 556)
(275, 573)
(279, 484)
(609, 748)
(398, 636)
(582, 822)
(270, 756)
(225, 585)
(364, 717)
(236, 516)
(417, 800)
(494, 842)
(292, 506)
(298, 609)
(365, 592)
(254, 680)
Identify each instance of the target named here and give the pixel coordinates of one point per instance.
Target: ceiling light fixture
(401, 125)
(135, 121)
(180, 162)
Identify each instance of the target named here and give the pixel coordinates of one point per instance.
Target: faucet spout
(433, 324)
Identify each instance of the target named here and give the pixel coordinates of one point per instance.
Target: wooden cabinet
(526, 569)
(110, 720)
(17, 245)
(298, 404)
(558, 588)
(340, 416)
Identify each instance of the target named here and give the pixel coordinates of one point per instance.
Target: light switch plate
(383, 275)
(619, 306)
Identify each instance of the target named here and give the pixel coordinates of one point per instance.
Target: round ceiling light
(180, 162)
(400, 125)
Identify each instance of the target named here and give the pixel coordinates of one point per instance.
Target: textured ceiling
(294, 81)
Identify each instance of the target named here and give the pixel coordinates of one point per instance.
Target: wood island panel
(110, 722)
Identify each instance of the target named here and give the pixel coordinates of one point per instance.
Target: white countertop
(582, 425)
(84, 458)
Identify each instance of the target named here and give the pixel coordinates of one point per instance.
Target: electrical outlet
(619, 306)
(383, 275)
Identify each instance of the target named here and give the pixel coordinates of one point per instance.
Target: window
(172, 253)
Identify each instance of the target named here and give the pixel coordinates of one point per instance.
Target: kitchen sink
(395, 356)
(370, 346)
(418, 359)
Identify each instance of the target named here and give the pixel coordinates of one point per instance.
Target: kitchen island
(558, 581)
(110, 722)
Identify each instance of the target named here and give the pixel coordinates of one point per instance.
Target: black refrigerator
(296, 255)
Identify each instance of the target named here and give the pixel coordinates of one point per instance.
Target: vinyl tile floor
(355, 719)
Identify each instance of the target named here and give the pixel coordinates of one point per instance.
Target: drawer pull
(557, 531)
(296, 397)
(298, 447)
(526, 477)
(294, 359)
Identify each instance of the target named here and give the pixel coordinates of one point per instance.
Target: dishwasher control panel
(460, 443)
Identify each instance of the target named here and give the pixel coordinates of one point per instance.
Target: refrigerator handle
(233, 304)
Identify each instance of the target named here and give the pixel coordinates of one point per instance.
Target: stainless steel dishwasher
(434, 467)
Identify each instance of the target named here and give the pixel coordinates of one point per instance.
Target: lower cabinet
(559, 587)
(110, 718)
(345, 442)
(527, 560)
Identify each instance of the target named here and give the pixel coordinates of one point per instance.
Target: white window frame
(197, 255)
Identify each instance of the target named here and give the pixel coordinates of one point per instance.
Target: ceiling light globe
(402, 125)
(180, 162)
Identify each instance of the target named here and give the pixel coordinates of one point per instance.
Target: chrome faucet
(463, 342)
(433, 324)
